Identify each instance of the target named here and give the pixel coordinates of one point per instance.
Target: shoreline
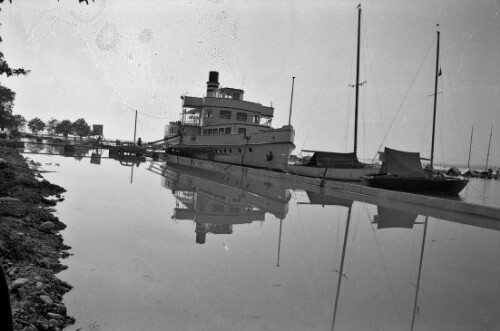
(31, 247)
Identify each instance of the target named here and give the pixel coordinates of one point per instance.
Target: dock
(435, 206)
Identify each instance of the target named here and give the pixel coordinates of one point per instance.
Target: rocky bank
(31, 248)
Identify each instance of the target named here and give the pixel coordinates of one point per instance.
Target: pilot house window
(225, 114)
(242, 117)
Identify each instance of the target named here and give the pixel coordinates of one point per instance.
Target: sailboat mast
(470, 147)
(489, 145)
(291, 103)
(357, 84)
(435, 99)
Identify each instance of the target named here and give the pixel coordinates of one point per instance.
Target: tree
(18, 123)
(7, 97)
(51, 126)
(6, 69)
(64, 128)
(81, 128)
(36, 125)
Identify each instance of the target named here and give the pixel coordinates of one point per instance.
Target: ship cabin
(222, 112)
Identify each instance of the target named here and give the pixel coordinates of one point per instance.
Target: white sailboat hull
(345, 174)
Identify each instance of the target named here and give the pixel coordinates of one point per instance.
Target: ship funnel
(213, 83)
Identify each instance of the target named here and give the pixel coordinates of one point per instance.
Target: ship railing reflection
(216, 201)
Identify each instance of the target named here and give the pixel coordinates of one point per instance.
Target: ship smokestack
(213, 83)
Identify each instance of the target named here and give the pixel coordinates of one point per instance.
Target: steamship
(223, 127)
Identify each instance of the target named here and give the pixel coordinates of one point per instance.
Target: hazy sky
(106, 60)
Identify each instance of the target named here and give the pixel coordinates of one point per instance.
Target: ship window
(221, 130)
(225, 114)
(217, 208)
(227, 131)
(230, 150)
(250, 149)
(239, 150)
(205, 131)
(242, 117)
(256, 119)
(242, 130)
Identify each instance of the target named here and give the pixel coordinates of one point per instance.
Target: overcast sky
(106, 60)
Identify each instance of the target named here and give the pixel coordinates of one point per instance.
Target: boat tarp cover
(402, 163)
(326, 200)
(335, 160)
(391, 218)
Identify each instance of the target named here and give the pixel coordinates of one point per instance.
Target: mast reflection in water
(277, 255)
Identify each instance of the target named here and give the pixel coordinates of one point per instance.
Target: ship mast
(489, 145)
(470, 147)
(357, 84)
(435, 97)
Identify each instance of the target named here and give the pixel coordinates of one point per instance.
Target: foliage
(7, 96)
(17, 124)
(81, 128)
(36, 125)
(51, 125)
(6, 102)
(64, 127)
(7, 70)
(7, 119)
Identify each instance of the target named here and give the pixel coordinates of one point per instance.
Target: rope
(405, 97)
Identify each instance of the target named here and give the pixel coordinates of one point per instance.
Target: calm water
(170, 249)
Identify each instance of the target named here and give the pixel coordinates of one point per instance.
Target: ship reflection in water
(277, 254)
(216, 201)
(407, 281)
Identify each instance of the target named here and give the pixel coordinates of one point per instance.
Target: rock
(19, 283)
(45, 264)
(47, 226)
(55, 316)
(53, 322)
(12, 271)
(21, 293)
(46, 299)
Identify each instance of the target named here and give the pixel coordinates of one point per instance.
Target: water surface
(183, 249)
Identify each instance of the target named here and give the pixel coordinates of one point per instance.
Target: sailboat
(402, 171)
(337, 166)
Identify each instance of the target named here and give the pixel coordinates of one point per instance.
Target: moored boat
(402, 171)
(225, 128)
(333, 165)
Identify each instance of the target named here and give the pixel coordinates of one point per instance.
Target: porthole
(250, 149)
